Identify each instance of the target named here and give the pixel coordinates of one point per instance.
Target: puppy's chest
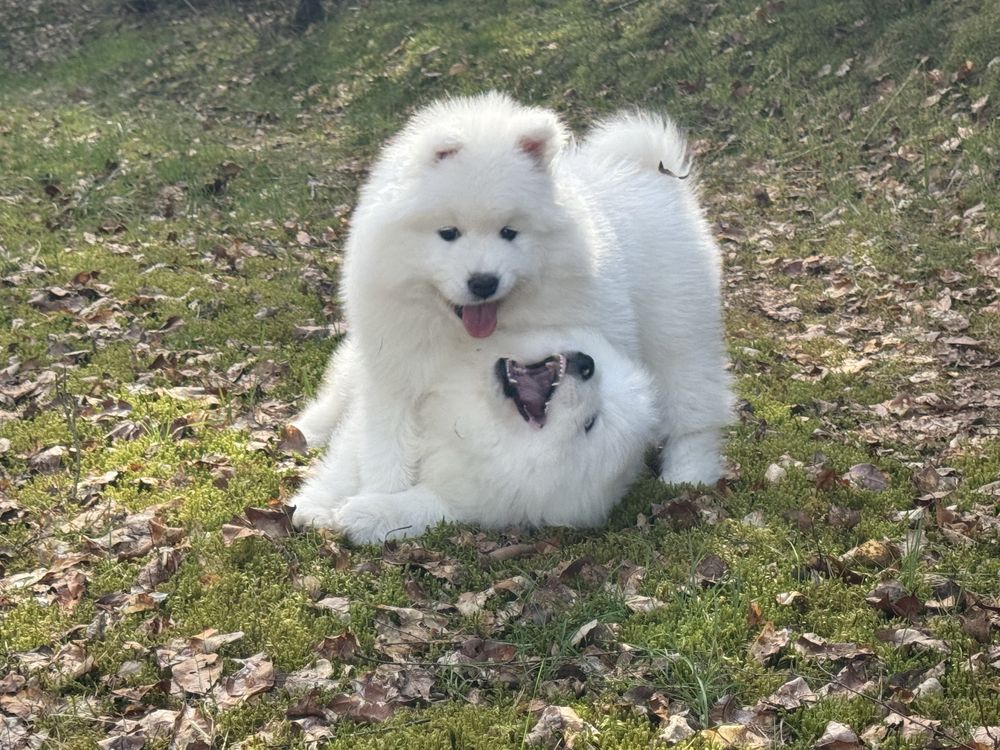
(460, 420)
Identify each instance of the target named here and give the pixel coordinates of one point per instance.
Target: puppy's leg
(335, 479)
(695, 404)
(373, 518)
(386, 445)
(337, 392)
(692, 457)
(681, 337)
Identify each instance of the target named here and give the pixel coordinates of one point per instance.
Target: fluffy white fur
(476, 459)
(605, 241)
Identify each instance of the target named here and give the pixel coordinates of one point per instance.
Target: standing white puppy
(481, 216)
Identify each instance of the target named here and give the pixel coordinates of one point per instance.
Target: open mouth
(531, 386)
(479, 320)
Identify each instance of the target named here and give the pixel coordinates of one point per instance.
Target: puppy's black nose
(580, 364)
(483, 285)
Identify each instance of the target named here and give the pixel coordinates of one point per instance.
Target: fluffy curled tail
(646, 140)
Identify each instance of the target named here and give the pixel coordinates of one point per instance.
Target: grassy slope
(853, 168)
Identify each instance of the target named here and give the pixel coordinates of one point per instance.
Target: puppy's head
(577, 398)
(532, 388)
(471, 212)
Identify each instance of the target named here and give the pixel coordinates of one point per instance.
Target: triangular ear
(542, 141)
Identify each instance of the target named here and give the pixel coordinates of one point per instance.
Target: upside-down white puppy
(552, 437)
(482, 218)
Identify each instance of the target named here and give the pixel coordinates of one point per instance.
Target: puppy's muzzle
(532, 386)
(580, 364)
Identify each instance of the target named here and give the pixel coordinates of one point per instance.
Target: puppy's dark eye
(508, 234)
(589, 424)
(449, 234)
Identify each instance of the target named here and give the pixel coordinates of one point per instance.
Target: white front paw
(691, 473)
(692, 459)
(312, 516)
(371, 519)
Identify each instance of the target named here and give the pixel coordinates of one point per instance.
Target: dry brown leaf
(769, 643)
(471, 602)
(193, 730)
(132, 540)
(682, 513)
(791, 599)
(775, 473)
(49, 460)
(640, 603)
(831, 567)
(71, 661)
(911, 637)
(274, 522)
(912, 727)
(291, 440)
(515, 551)
(254, 677)
(649, 701)
(211, 640)
(843, 518)
(17, 735)
(889, 596)
(316, 675)
(710, 571)
(11, 683)
(341, 647)
(476, 649)
(162, 534)
(675, 729)
(838, 736)
(988, 264)
(793, 694)
(405, 684)
(27, 704)
(232, 532)
(978, 624)
(867, 477)
(197, 674)
(69, 589)
(337, 605)
(849, 681)
(413, 554)
(370, 701)
(159, 723)
(812, 646)
(402, 630)
(158, 570)
(735, 736)
(559, 726)
(986, 738)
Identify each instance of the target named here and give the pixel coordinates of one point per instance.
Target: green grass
(112, 126)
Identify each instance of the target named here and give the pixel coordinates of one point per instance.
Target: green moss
(30, 625)
(247, 588)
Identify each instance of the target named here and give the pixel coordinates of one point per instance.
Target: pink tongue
(480, 320)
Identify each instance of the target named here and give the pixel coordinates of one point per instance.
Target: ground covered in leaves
(175, 185)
